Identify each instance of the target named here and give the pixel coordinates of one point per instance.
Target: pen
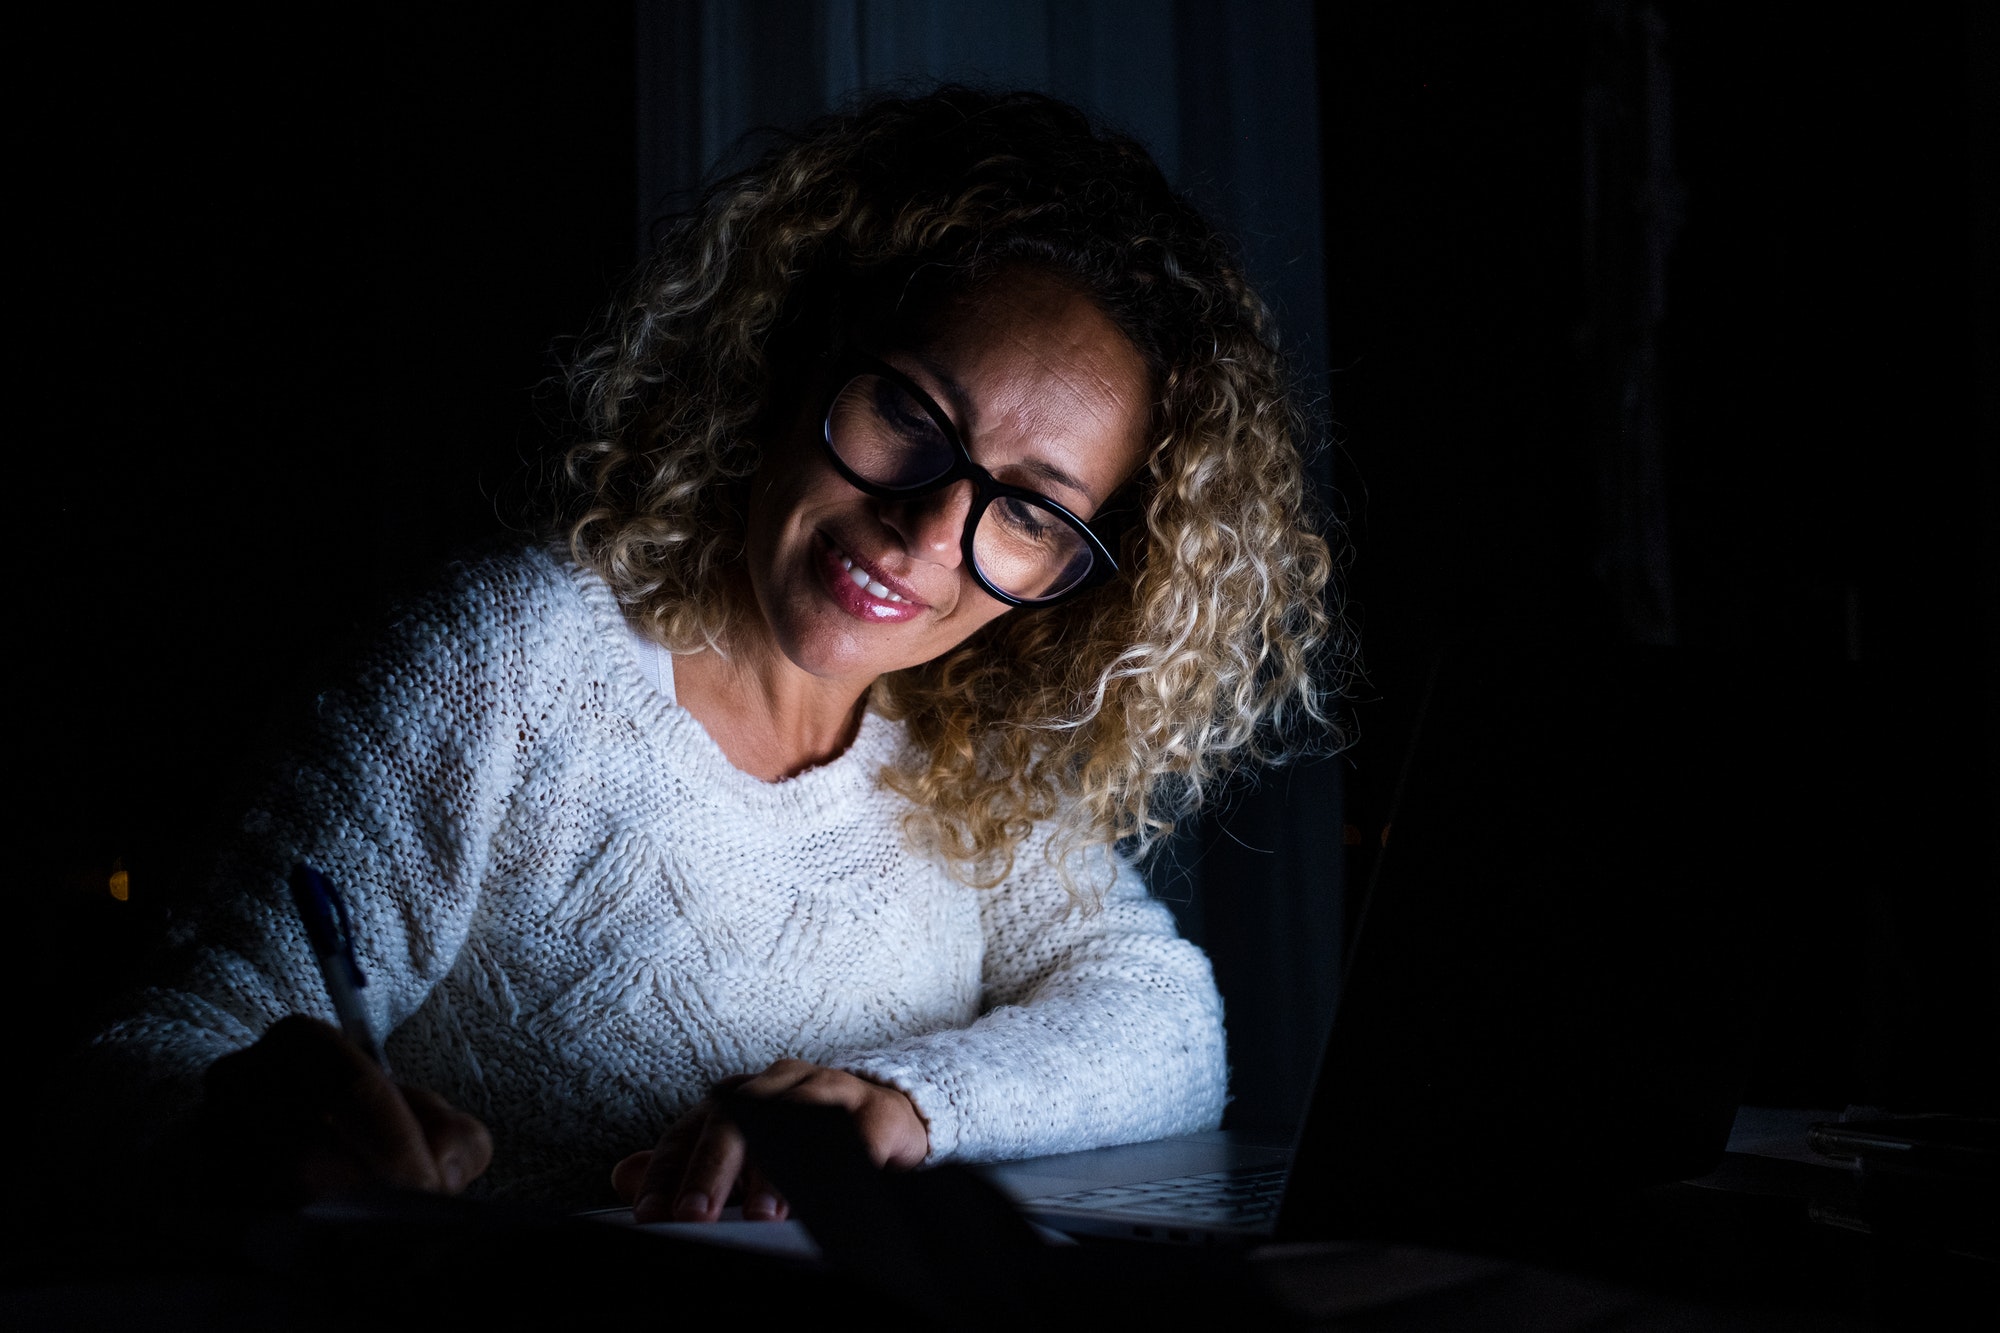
(332, 939)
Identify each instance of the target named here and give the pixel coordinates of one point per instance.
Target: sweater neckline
(850, 776)
(656, 664)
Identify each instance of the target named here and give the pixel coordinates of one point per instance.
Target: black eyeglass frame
(986, 488)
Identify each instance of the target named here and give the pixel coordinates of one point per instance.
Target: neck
(770, 718)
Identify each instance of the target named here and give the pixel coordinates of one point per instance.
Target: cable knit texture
(575, 916)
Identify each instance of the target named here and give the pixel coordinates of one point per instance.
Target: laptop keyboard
(1243, 1197)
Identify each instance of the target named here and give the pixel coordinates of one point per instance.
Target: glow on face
(1046, 393)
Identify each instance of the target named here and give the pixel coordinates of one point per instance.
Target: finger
(761, 1200)
(630, 1174)
(459, 1144)
(658, 1182)
(651, 1181)
(712, 1169)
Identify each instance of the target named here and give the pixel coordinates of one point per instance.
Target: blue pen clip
(331, 935)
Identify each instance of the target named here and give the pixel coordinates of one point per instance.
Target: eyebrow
(1054, 474)
(961, 403)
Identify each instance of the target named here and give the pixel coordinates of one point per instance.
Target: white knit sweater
(575, 915)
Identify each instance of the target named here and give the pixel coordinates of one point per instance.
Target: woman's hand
(303, 1114)
(701, 1160)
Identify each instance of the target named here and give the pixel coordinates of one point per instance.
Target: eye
(904, 415)
(1026, 521)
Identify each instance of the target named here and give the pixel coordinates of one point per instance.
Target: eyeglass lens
(886, 437)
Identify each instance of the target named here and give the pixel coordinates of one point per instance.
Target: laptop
(1554, 987)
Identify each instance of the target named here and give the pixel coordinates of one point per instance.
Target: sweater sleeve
(395, 792)
(1099, 1026)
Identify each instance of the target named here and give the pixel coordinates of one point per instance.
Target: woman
(938, 528)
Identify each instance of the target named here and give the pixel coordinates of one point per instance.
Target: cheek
(783, 495)
(974, 612)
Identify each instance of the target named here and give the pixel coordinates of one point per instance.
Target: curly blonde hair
(1114, 714)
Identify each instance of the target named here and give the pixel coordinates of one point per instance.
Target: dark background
(1809, 361)
(302, 291)
(295, 297)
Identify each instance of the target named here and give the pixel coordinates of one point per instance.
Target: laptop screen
(1554, 988)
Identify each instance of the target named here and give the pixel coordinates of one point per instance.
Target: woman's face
(1045, 392)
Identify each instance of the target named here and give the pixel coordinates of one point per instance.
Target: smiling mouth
(865, 592)
(865, 582)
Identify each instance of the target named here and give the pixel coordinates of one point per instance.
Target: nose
(932, 526)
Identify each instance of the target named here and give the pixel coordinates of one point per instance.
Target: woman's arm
(1100, 1026)
(395, 793)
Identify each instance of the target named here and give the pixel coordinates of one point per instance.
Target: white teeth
(870, 586)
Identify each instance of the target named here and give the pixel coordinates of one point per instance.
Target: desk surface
(1717, 1259)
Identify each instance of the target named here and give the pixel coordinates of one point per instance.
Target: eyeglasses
(892, 441)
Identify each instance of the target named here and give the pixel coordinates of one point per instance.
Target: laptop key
(1221, 1197)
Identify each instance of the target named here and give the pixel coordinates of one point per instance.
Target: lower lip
(858, 602)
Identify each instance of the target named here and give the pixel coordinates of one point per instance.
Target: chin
(830, 647)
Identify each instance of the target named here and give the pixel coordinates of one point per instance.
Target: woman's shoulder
(517, 617)
(526, 592)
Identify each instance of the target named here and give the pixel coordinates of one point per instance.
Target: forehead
(1027, 315)
(1028, 363)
